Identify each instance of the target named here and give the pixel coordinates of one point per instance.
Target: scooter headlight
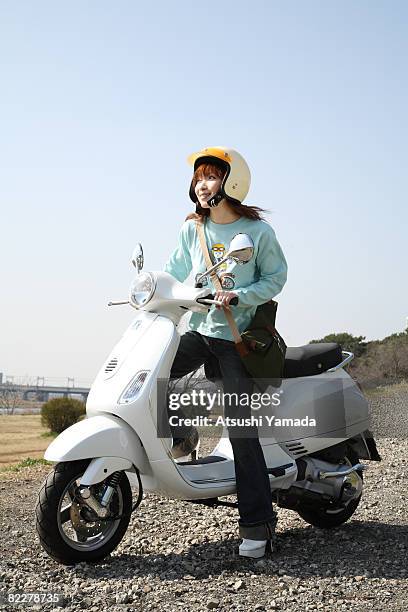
(142, 289)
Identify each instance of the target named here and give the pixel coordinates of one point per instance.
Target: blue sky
(101, 103)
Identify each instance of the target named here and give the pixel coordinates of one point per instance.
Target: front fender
(99, 436)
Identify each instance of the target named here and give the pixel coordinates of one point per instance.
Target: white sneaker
(179, 453)
(252, 548)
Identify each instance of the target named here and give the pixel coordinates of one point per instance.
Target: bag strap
(239, 344)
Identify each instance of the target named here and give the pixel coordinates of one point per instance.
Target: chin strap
(215, 200)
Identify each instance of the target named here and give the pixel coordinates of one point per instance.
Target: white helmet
(237, 179)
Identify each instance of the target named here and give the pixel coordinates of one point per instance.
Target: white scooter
(85, 504)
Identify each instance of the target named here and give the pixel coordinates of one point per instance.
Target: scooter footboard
(105, 437)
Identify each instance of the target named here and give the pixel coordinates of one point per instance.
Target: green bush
(61, 412)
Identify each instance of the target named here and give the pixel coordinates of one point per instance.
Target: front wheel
(329, 517)
(66, 531)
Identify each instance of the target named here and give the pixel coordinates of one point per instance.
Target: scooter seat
(311, 359)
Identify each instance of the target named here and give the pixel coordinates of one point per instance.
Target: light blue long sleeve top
(255, 282)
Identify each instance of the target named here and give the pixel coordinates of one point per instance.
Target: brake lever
(118, 303)
(206, 301)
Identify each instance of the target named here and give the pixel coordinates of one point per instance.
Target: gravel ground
(181, 556)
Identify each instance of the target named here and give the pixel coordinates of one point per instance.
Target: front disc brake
(83, 528)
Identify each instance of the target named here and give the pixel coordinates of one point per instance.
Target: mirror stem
(214, 267)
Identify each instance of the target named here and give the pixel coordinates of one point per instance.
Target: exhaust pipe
(359, 467)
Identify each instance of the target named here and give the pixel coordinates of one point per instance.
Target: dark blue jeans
(257, 517)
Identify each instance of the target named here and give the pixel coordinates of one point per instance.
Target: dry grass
(20, 437)
(387, 390)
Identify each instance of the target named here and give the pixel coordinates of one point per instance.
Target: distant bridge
(42, 392)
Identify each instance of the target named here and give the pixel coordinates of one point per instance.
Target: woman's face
(206, 187)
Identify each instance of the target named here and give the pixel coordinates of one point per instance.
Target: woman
(219, 186)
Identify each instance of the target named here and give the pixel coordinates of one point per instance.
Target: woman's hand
(225, 297)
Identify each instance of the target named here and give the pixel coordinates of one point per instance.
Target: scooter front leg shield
(99, 436)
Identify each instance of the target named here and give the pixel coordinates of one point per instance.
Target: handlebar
(209, 299)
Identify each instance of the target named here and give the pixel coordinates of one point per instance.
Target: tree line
(378, 362)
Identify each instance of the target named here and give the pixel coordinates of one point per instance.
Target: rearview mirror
(241, 248)
(137, 257)
(241, 251)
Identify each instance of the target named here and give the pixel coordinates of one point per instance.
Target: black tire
(328, 518)
(51, 520)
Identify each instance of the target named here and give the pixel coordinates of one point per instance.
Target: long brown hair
(203, 170)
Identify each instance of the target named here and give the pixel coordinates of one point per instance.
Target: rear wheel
(329, 517)
(68, 532)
